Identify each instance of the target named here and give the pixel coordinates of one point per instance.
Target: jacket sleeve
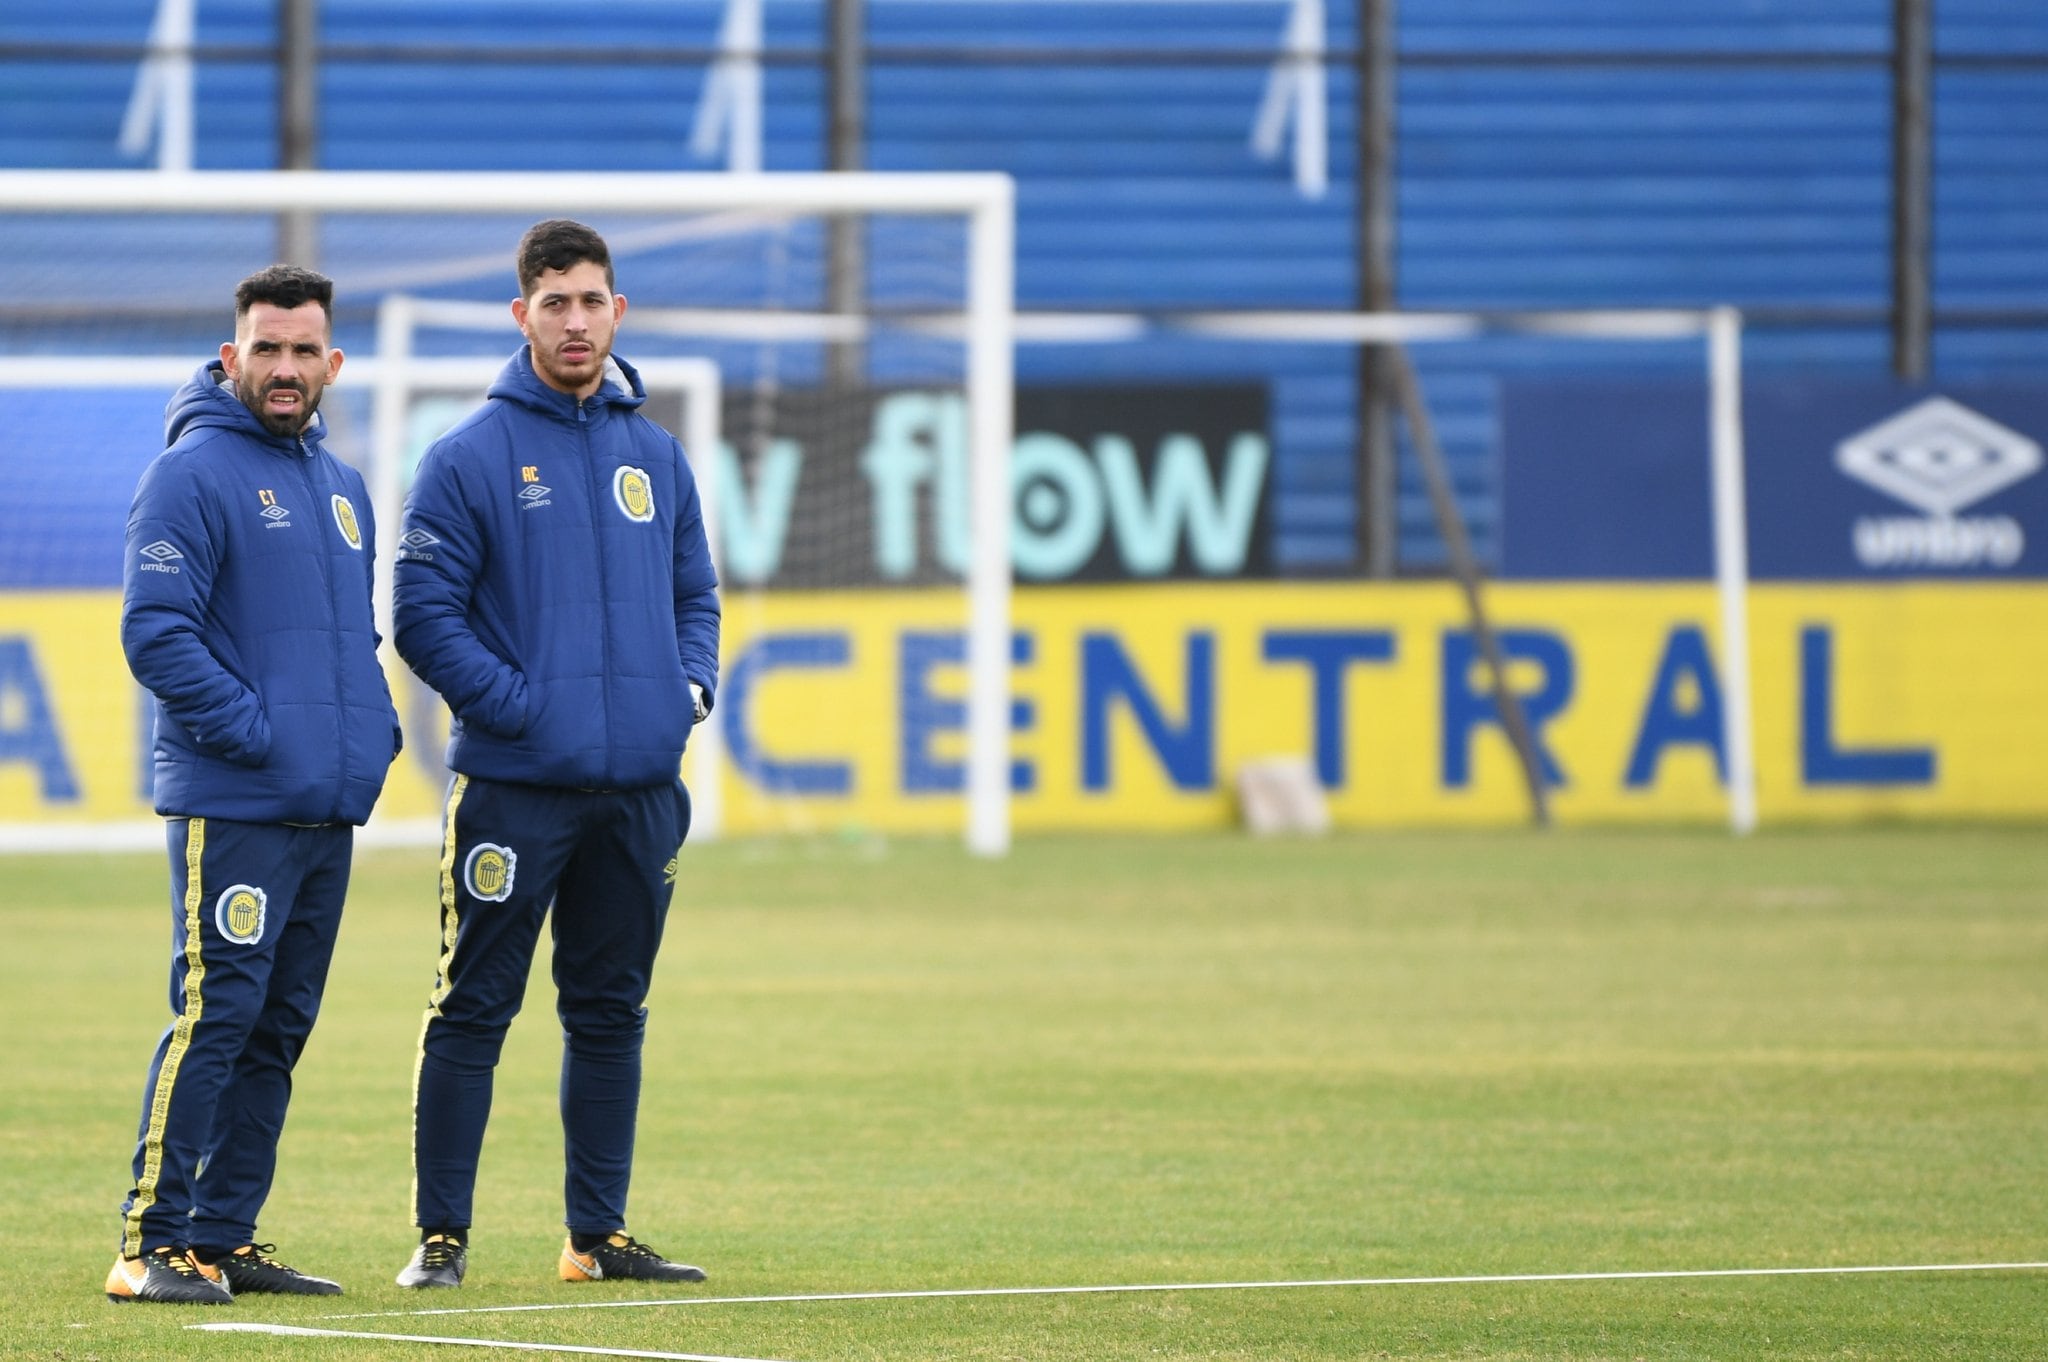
(174, 544)
(696, 590)
(441, 557)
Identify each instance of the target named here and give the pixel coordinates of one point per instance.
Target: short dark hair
(285, 286)
(558, 244)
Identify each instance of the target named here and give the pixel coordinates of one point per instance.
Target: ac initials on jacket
(529, 472)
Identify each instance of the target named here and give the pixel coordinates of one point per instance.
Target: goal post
(1718, 330)
(458, 230)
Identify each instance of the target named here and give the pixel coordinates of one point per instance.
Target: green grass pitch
(1135, 1061)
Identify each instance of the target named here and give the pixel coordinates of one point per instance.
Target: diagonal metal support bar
(1451, 525)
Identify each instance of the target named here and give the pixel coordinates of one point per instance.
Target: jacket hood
(517, 382)
(207, 400)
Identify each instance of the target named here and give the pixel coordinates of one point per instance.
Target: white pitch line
(1490, 1279)
(250, 1327)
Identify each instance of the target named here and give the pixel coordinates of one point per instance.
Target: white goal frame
(1719, 327)
(986, 202)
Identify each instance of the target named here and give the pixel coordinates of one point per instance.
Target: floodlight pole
(1912, 186)
(846, 237)
(298, 118)
(1377, 533)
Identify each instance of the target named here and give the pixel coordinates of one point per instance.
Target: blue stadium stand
(1526, 179)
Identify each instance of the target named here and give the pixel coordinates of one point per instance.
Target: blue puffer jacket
(246, 611)
(554, 585)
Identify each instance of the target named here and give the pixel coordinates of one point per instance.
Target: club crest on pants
(239, 911)
(488, 871)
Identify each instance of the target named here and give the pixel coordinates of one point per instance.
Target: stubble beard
(287, 425)
(551, 368)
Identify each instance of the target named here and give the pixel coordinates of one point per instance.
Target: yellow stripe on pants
(181, 1041)
(449, 922)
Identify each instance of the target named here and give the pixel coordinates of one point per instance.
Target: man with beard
(246, 614)
(553, 584)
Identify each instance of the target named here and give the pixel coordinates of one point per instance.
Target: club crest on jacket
(633, 492)
(345, 520)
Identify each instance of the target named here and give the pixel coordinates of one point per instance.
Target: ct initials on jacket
(246, 611)
(555, 586)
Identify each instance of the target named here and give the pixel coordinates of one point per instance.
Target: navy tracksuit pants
(606, 861)
(255, 908)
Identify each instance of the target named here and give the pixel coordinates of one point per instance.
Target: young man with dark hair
(559, 245)
(555, 587)
(246, 614)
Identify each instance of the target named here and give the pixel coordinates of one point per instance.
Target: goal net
(834, 350)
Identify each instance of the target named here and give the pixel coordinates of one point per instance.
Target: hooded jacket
(555, 586)
(246, 612)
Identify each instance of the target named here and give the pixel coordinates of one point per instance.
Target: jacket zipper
(604, 595)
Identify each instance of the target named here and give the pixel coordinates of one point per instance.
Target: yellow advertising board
(1137, 705)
